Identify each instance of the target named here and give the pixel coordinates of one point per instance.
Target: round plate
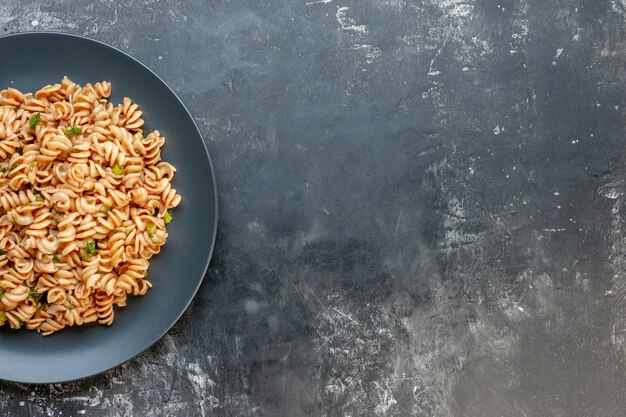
(32, 60)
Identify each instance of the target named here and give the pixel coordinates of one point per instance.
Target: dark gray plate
(32, 60)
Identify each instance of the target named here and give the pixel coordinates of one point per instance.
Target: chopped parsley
(19, 150)
(35, 295)
(118, 170)
(74, 130)
(34, 120)
(39, 199)
(151, 228)
(167, 217)
(56, 258)
(90, 250)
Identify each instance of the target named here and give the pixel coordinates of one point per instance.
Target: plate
(32, 60)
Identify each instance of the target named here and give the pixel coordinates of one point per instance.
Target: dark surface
(79, 352)
(422, 208)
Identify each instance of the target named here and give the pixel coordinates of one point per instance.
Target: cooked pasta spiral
(84, 204)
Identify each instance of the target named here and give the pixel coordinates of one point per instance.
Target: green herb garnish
(39, 198)
(75, 130)
(118, 170)
(34, 120)
(3, 316)
(19, 150)
(167, 217)
(56, 258)
(90, 250)
(35, 295)
(120, 231)
(36, 191)
(151, 228)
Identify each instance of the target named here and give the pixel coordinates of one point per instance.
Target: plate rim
(215, 198)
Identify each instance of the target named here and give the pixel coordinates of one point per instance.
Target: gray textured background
(422, 208)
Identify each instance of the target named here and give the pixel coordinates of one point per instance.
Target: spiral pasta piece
(84, 204)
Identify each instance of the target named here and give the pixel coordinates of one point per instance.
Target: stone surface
(422, 208)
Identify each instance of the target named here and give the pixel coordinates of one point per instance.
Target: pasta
(84, 203)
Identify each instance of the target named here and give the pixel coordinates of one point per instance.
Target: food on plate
(84, 204)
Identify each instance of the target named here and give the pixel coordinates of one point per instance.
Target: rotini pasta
(84, 203)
